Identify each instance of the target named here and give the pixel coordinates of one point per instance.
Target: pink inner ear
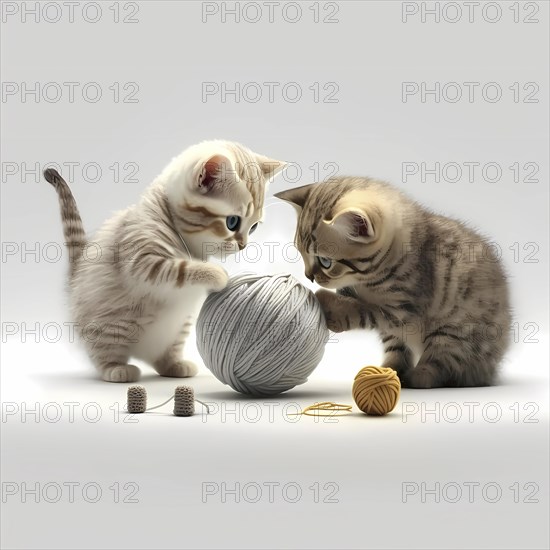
(359, 226)
(213, 172)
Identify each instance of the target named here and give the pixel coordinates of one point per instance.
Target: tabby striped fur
(432, 287)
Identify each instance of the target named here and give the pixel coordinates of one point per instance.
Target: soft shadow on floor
(92, 378)
(314, 395)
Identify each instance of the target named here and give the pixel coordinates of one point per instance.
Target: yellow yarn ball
(376, 390)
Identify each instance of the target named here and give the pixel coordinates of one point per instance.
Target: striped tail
(73, 229)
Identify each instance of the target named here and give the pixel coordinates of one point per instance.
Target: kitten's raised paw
(215, 278)
(330, 306)
(120, 373)
(180, 369)
(334, 324)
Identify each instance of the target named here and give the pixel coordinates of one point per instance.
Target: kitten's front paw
(215, 278)
(399, 370)
(120, 373)
(334, 325)
(422, 377)
(180, 369)
(330, 306)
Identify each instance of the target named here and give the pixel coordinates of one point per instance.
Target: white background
(369, 130)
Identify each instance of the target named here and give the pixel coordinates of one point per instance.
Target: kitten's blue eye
(324, 262)
(253, 228)
(233, 222)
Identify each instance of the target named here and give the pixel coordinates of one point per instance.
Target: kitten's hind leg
(441, 364)
(119, 372)
(108, 349)
(452, 359)
(172, 363)
(397, 355)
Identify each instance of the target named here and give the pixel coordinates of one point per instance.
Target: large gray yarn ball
(262, 334)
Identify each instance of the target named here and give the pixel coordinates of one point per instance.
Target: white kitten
(141, 298)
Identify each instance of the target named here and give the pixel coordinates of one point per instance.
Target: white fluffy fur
(146, 291)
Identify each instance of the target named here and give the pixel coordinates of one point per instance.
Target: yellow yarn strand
(325, 406)
(376, 390)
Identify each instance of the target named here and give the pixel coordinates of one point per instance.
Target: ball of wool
(376, 390)
(262, 335)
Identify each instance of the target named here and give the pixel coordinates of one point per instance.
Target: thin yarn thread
(325, 406)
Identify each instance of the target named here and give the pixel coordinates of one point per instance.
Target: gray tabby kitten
(431, 286)
(135, 290)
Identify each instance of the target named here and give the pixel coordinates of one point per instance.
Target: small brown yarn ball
(376, 390)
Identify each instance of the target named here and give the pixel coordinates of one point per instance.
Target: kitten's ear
(270, 167)
(297, 196)
(214, 174)
(354, 224)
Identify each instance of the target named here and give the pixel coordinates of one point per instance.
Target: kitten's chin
(334, 284)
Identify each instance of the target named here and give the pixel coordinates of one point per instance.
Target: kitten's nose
(241, 240)
(310, 276)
